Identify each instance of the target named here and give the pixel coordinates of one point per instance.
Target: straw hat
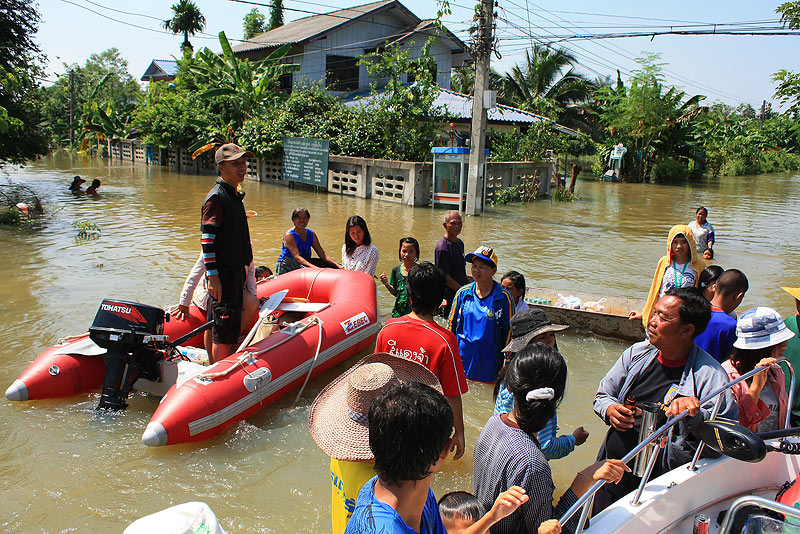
(338, 416)
(761, 327)
(793, 291)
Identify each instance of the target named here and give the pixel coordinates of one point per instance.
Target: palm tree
(186, 19)
(548, 84)
(463, 81)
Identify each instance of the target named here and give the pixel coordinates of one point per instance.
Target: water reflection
(267, 475)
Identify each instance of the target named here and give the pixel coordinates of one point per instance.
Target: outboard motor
(132, 334)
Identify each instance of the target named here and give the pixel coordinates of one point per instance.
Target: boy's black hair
(536, 366)
(695, 309)
(709, 276)
(95, 183)
(710, 253)
(263, 269)
(732, 282)
(425, 285)
(409, 427)
(349, 244)
(298, 211)
(461, 505)
(411, 241)
(517, 280)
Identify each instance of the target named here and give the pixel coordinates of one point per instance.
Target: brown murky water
(66, 468)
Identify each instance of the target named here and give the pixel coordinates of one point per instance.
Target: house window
(341, 73)
(285, 81)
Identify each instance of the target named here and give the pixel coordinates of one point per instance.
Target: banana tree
(245, 88)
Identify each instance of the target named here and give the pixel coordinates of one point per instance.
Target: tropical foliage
(254, 23)
(20, 98)
(186, 19)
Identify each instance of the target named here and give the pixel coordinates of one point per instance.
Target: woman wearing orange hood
(681, 267)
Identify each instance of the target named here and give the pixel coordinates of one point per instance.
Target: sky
(730, 69)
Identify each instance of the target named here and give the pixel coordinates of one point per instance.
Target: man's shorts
(227, 313)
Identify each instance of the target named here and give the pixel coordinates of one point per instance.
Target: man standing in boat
(668, 370)
(226, 248)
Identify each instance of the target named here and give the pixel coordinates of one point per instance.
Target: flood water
(66, 468)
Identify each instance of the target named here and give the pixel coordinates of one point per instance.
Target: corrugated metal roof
(459, 106)
(309, 27)
(161, 68)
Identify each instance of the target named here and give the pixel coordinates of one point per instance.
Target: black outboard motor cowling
(131, 332)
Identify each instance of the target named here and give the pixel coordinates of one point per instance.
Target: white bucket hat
(761, 327)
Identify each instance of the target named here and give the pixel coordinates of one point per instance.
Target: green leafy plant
(86, 229)
(525, 191)
(562, 194)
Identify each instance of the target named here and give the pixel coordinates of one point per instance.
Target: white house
(327, 46)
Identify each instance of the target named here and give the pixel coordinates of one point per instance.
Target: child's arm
(385, 281)
(505, 505)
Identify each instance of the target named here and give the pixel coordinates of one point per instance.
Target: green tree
(463, 81)
(103, 79)
(186, 19)
(22, 136)
(402, 119)
(244, 89)
(548, 84)
(275, 15)
(254, 23)
(790, 14)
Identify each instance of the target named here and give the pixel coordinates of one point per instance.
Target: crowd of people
(390, 421)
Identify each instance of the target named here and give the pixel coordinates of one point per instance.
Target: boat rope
(68, 339)
(313, 362)
(311, 286)
(247, 355)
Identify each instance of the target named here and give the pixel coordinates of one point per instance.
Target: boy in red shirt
(418, 337)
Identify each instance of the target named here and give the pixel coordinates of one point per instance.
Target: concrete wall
(403, 182)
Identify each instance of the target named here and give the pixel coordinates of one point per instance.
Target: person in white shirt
(515, 283)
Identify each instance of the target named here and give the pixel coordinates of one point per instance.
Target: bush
(562, 194)
(668, 171)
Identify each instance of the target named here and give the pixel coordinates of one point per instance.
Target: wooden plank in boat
(613, 322)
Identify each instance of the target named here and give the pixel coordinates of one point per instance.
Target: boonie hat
(485, 253)
(526, 325)
(338, 416)
(78, 180)
(793, 291)
(761, 327)
(231, 152)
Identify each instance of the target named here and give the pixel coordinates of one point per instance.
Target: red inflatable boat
(339, 319)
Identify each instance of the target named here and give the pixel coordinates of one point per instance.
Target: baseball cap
(230, 152)
(485, 253)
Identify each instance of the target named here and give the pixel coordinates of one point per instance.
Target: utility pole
(762, 115)
(71, 107)
(483, 51)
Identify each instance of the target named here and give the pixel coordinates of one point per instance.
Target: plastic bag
(571, 302)
(595, 305)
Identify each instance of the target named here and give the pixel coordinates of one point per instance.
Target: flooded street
(66, 468)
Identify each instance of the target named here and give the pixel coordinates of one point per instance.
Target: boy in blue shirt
(409, 435)
(718, 337)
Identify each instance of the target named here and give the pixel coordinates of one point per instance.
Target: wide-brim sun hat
(761, 327)
(485, 253)
(337, 419)
(793, 291)
(526, 325)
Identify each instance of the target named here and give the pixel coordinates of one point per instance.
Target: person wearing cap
(226, 248)
(194, 292)
(720, 334)
(418, 337)
(532, 326)
(338, 422)
(667, 368)
(75, 186)
(480, 318)
(761, 337)
(792, 353)
(449, 257)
